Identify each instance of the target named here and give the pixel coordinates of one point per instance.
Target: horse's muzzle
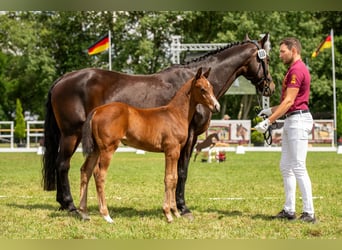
(217, 107)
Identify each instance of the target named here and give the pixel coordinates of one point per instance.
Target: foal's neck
(183, 103)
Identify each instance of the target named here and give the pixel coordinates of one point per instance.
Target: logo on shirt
(293, 79)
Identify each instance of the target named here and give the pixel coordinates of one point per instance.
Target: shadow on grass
(32, 206)
(117, 212)
(235, 213)
(133, 212)
(262, 217)
(225, 213)
(130, 212)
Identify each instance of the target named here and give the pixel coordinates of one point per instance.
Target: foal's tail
(52, 137)
(88, 144)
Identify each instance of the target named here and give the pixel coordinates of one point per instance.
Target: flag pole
(110, 51)
(334, 84)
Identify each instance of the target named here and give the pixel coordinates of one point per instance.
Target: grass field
(230, 200)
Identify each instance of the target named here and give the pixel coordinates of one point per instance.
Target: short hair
(292, 42)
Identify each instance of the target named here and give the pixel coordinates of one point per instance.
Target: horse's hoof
(75, 213)
(108, 219)
(61, 208)
(188, 216)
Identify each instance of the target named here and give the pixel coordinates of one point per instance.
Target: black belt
(296, 113)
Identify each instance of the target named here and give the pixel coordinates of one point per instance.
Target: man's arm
(283, 107)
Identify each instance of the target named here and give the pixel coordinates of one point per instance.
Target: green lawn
(230, 200)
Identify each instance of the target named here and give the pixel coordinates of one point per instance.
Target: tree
(38, 47)
(19, 128)
(29, 69)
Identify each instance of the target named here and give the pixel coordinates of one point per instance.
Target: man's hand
(265, 112)
(263, 126)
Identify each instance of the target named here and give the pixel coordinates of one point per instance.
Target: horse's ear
(206, 74)
(198, 74)
(247, 38)
(265, 43)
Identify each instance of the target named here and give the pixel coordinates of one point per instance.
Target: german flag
(324, 45)
(99, 46)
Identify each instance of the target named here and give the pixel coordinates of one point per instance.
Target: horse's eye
(203, 91)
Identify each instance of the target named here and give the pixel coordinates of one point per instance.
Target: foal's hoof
(168, 217)
(108, 219)
(177, 214)
(83, 216)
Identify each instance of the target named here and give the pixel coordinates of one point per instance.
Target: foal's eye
(203, 91)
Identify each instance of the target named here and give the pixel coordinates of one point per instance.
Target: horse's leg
(183, 164)
(170, 181)
(68, 145)
(86, 172)
(100, 174)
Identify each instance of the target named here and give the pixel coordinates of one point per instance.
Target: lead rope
(268, 132)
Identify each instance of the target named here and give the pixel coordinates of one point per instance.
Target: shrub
(19, 129)
(257, 138)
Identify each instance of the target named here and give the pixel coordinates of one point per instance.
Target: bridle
(261, 56)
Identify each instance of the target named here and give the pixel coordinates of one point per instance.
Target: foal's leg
(86, 172)
(100, 177)
(170, 180)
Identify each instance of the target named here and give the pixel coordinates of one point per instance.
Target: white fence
(7, 133)
(322, 133)
(34, 134)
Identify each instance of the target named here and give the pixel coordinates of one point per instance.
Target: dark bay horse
(75, 94)
(210, 142)
(161, 129)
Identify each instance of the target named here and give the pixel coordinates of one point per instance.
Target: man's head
(290, 50)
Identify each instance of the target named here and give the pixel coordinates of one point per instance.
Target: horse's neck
(183, 103)
(225, 65)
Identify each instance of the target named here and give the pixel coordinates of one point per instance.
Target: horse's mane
(214, 52)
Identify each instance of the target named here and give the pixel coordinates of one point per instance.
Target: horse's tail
(51, 143)
(88, 144)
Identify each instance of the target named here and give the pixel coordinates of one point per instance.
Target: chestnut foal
(161, 129)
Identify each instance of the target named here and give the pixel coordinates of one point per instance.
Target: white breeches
(293, 161)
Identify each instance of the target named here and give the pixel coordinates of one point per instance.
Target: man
(297, 127)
